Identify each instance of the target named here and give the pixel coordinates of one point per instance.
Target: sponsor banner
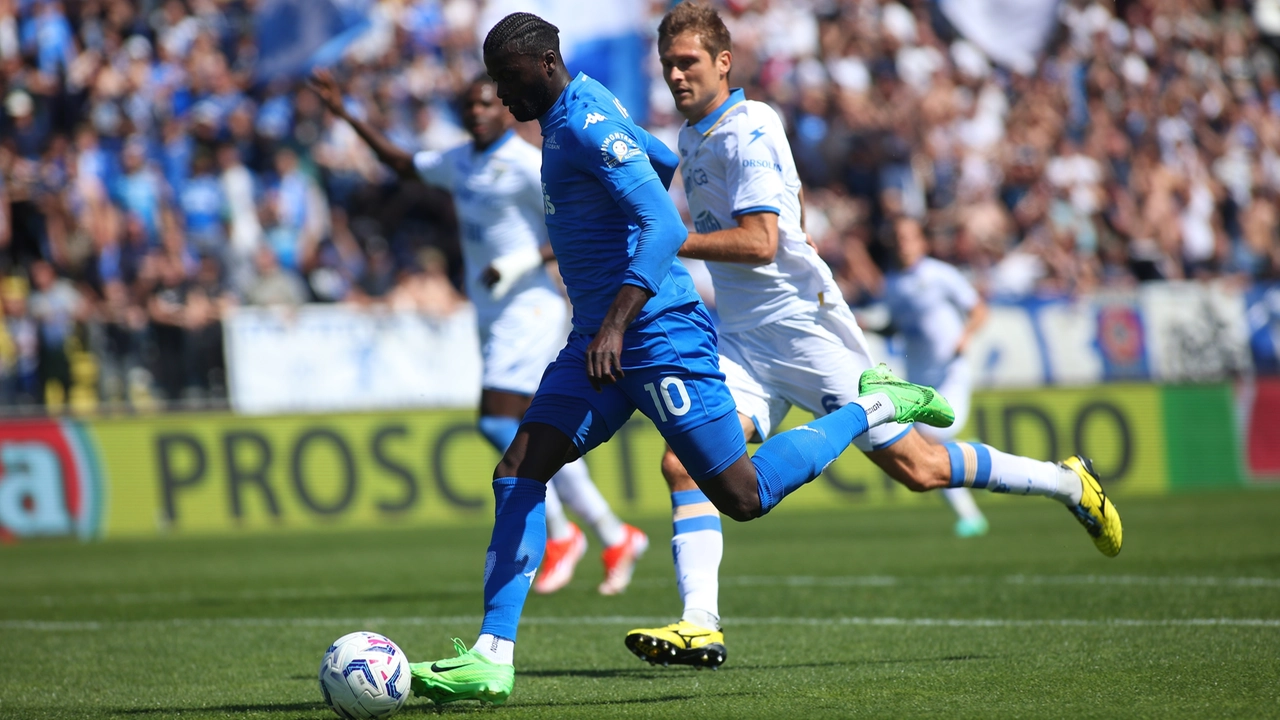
(1259, 406)
(225, 473)
(330, 357)
(50, 481)
(1166, 332)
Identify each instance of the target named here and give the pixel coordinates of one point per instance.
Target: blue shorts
(672, 375)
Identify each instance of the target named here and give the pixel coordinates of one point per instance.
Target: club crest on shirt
(617, 148)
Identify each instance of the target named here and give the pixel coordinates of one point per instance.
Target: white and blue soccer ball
(364, 675)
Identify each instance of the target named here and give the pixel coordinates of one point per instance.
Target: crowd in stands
(150, 181)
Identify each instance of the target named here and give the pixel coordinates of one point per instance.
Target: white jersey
(929, 303)
(737, 161)
(498, 195)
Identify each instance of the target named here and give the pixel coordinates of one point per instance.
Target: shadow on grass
(235, 709)
(471, 707)
(648, 672)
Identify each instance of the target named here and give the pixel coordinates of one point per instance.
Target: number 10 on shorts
(664, 389)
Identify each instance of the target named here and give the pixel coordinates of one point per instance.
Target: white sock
(697, 545)
(961, 501)
(879, 408)
(580, 495)
(557, 522)
(982, 466)
(497, 649)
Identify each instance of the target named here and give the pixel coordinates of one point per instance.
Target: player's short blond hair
(700, 19)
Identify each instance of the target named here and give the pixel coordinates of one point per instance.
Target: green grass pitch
(827, 614)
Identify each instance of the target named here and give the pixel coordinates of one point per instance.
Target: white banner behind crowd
(1010, 32)
(331, 357)
(327, 357)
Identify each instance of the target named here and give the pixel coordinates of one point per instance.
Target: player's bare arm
(754, 241)
(977, 318)
(330, 93)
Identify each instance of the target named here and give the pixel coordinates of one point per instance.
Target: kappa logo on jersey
(592, 119)
(550, 142)
(617, 148)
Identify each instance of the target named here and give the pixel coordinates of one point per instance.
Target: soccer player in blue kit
(641, 338)
(521, 316)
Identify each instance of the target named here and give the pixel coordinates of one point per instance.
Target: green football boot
(470, 676)
(913, 403)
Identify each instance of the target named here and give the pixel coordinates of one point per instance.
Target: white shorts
(812, 360)
(957, 388)
(519, 344)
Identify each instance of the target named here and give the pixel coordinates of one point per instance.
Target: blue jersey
(594, 156)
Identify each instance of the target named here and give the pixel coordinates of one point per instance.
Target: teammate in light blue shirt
(641, 340)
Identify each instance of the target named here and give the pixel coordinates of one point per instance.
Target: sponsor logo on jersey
(705, 222)
(756, 134)
(549, 142)
(617, 148)
(592, 119)
(766, 164)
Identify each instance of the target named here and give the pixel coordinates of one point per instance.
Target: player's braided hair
(523, 33)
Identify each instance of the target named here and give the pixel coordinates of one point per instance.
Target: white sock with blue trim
(981, 466)
(697, 544)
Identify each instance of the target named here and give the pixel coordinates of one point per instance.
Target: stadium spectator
(1142, 143)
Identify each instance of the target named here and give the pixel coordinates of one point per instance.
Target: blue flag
(297, 35)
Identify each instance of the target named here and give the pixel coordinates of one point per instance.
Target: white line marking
(813, 581)
(204, 623)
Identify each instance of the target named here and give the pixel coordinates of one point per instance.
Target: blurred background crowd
(151, 178)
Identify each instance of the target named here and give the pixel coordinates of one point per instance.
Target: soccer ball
(364, 675)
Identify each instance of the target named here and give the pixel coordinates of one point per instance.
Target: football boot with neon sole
(681, 643)
(971, 527)
(620, 561)
(559, 560)
(1095, 512)
(470, 676)
(912, 403)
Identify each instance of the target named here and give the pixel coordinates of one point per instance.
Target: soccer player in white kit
(496, 184)
(786, 336)
(936, 311)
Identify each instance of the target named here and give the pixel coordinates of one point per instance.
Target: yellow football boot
(681, 643)
(1095, 512)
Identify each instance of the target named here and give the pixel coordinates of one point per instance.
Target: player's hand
(322, 83)
(489, 276)
(604, 358)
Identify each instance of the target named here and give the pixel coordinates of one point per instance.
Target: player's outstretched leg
(922, 466)
(788, 460)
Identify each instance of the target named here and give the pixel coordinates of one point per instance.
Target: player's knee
(741, 506)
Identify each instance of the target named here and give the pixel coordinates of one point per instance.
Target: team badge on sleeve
(617, 148)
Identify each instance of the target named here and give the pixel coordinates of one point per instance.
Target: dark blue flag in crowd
(297, 35)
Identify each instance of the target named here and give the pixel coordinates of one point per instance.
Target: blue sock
(970, 464)
(498, 430)
(515, 551)
(787, 461)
